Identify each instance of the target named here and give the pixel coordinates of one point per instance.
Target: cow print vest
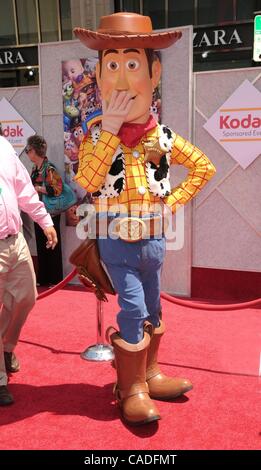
(158, 177)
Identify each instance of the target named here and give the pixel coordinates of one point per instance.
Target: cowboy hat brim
(101, 41)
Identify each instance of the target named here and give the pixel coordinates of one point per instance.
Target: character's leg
(131, 342)
(151, 286)
(160, 386)
(153, 253)
(133, 313)
(122, 261)
(131, 389)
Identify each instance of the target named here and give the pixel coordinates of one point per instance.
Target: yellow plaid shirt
(95, 162)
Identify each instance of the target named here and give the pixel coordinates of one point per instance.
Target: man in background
(17, 278)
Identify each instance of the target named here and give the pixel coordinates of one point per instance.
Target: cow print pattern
(114, 182)
(158, 177)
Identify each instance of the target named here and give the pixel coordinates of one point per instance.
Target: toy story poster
(82, 109)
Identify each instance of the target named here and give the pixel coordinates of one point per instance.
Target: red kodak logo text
(16, 131)
(226, 122)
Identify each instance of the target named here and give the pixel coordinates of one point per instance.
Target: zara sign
(10, 57)
(13, 57)
(223, 37)
(217, 37)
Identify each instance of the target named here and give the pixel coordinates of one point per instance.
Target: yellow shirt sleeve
(95, 161)
(200, 171)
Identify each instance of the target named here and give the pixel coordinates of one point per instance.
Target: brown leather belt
(130, 228)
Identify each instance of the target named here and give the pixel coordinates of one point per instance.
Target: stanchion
(99, 351)
(104, 352)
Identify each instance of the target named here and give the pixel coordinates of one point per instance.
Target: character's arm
(95, 161)
(200, 171)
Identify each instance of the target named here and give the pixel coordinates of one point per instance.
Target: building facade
(25, 23)
(223, 29)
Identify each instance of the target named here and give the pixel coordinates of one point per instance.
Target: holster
(91, 273)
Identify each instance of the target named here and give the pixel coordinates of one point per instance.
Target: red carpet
(63, 402)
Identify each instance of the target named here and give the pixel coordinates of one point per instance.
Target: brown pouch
(91, 273)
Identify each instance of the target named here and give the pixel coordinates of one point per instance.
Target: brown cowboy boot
(162, 387)
(131, 389)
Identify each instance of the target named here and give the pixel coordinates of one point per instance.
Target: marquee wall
(227, 214)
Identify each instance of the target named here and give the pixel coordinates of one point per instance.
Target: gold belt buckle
(130, 229)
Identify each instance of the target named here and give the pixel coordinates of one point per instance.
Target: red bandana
(131, 133)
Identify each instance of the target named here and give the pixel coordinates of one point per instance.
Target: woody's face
(127, 70)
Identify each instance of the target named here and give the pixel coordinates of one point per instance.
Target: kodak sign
(228, 122)
(15, 131)
(15, 128)
(236, 125)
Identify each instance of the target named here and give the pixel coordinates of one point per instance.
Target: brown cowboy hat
(124, 30)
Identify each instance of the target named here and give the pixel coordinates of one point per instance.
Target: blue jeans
(135, 270)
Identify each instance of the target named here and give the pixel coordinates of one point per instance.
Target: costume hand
(51, 236)
(115, 113)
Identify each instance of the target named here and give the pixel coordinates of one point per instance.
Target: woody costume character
(125, 164)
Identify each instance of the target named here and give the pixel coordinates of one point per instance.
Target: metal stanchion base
(98, 352)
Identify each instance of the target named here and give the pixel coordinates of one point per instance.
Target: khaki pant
(17, 293)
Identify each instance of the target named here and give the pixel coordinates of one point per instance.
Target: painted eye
(132, 64)
(113, 66)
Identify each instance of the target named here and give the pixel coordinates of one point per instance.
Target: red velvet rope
(169, 298)
(201, 306)
(58, 286)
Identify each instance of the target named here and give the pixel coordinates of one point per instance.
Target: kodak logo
(16, 131)
(225, 122)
